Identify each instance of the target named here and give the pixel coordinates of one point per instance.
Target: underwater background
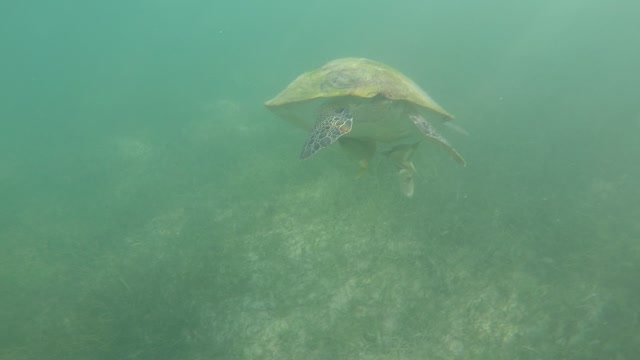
(152, 208)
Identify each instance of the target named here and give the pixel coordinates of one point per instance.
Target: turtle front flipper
(429, 131)
(402, 156)
(332, 123)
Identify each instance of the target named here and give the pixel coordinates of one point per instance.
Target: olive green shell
(355, 77)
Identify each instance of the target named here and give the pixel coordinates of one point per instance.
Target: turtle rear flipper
(331, 124)
(402, 156)
(429, 131)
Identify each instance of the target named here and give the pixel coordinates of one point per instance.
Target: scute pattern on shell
(356, 77)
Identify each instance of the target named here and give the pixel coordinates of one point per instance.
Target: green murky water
(151, 208)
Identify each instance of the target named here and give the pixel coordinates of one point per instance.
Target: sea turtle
(366, 106)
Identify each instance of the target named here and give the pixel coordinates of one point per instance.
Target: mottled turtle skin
(365, 106)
